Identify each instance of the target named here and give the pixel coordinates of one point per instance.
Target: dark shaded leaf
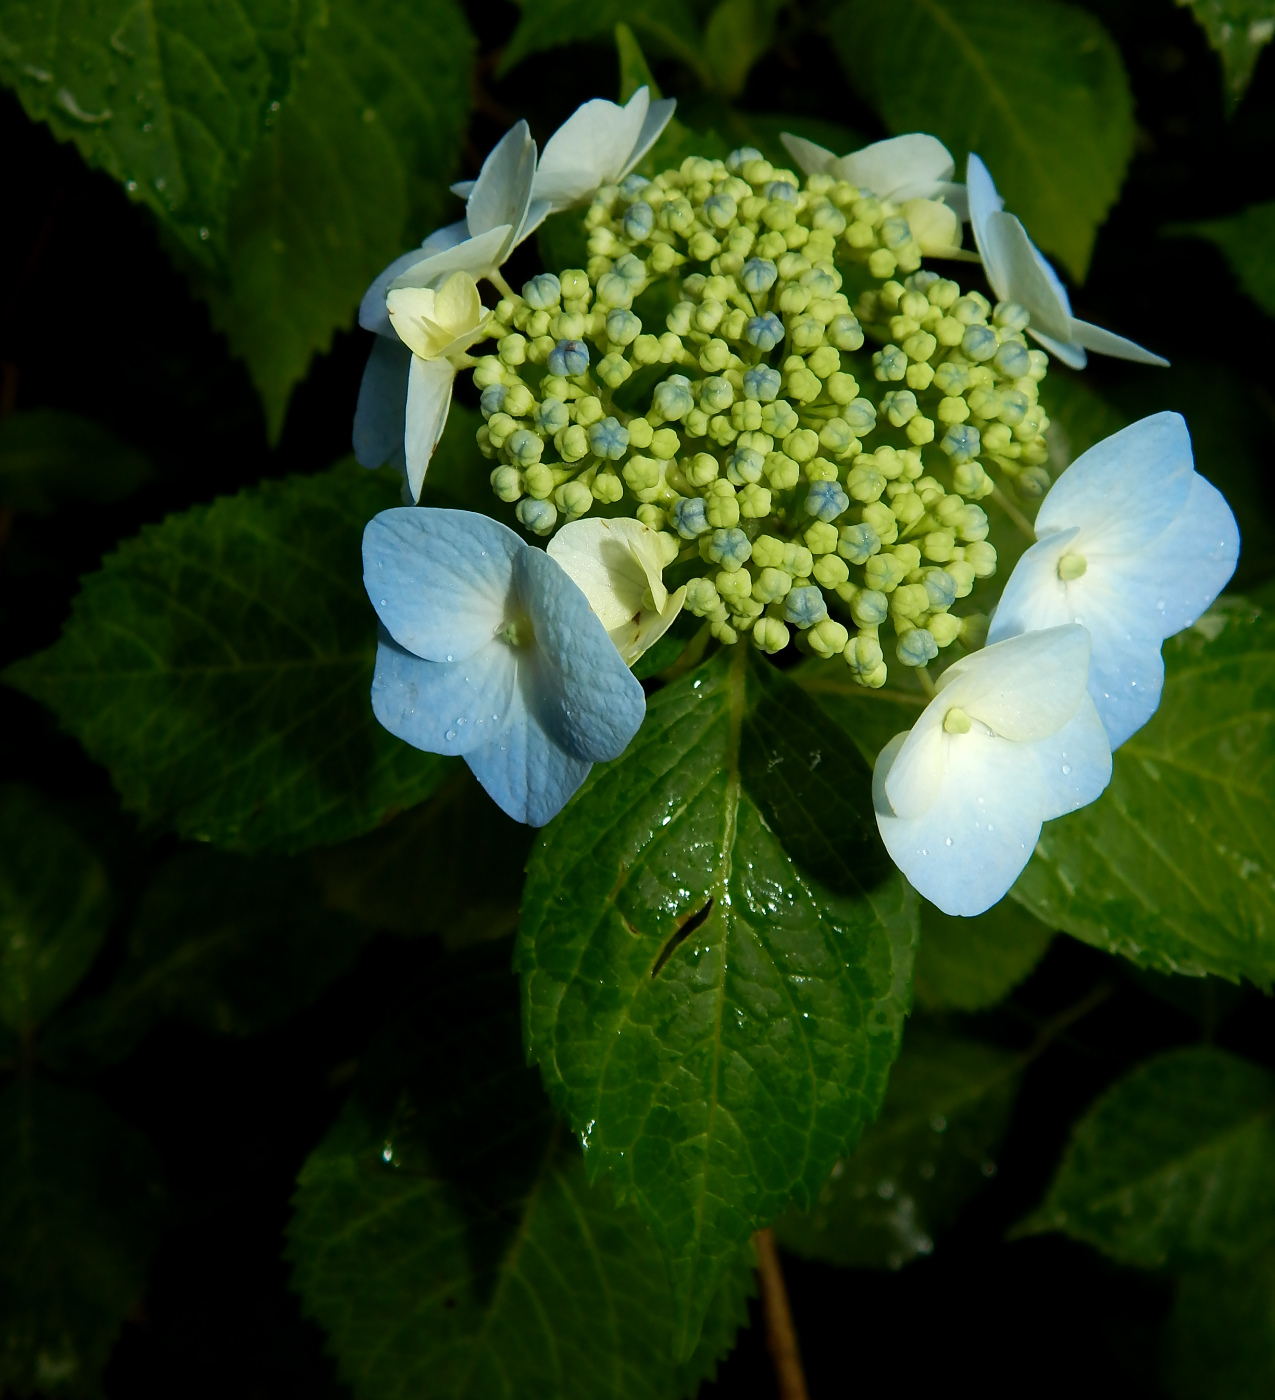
(971, 964)
(49, 459)
(1221, 1335)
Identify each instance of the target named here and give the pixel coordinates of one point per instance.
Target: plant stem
(781, 1338)
(1014, 514)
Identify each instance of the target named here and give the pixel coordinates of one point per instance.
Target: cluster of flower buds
(697, 375)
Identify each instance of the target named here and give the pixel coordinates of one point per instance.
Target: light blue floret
(961, 443)
(758, 275)
(609, 438)
(729, 548)
(569, 357)
(538, 516)
(762, 383)
(805, 606)
(765, 332)
(740, 157)
(940, 588)
(524, 447)
(552, 416)
(781, 189)
(1012, 360)
(639, 220)
(542, 292)
(489, 651)
(633, 183)
(858, 543)
(826, 500)
(745, 466)
(493, 399)
(690, 518)
(673, 398)
(979, 342)
(860, 415)
(918, 647)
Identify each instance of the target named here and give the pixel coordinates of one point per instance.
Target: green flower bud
(830, 571)
(607, 487)
(869, 608)
(883, 573)
(770, 635)
(537, 515)
(572, 443)
(821, 537)
(882, 520)
(981, 556)
(721, 507)
(863, 656)
(715, 356)
(974, 631)
(702, 597)
(754, 502)
(782, 471)
(642, 474)
(910, 600)
(506, 483)
(801, 445)
(864, 482)
(778, 419)
(613, 370)
(944, 628)
(827, 638)
(771, 584)
(573, 498)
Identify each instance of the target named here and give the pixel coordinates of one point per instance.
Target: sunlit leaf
(219, 666)
(1038, 90)
(945, 1114)
(1175, 1163)
(50, 459)
(715, 953)
(1172, 866)
(1239, 30)
(446, 1237)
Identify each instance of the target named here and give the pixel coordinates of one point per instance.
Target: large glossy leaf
(1172, 866)
(353, 168)
(233, 943)
(945, 1115)
(446, 1237)
(970, 964)
(1220, 1339)
(168, 98)
(1246, 240)
(1239, 30)
(80, 1196)
(50, 459)
(219, 666)
(715, 954)
(55, 904)
(665, 25)
(1038, 90)
(1175, 1163)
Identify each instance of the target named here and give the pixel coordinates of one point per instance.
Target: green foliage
(79, 1202)
(945, 1115)
(1239, 30)
(1079, 416)
(445, 1236)
(667, 26)
(1172, 867)
(971, 964)
(1038, 91)
(354, 167)
(50, 459)
(1174, 1164)
(1221, 1335)
(218, 665)
(233, 944)
(715, 953)
(738, 32)
(1246, 240)
(55, 904)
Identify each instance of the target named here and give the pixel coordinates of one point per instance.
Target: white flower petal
(983, 202)
(429, 397)
(901, 167)
(638, 637)
(590, 149)
(658, 116)
(379, 416)
(503, 188)
(1074, 764)
(812, 158)
(476, 256)
(1105, 342)
(1025, 277)
(1071, 354)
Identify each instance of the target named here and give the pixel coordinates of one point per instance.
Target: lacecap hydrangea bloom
(702, 420)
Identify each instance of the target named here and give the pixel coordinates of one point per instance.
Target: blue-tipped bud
(805, 606)
(673, 398)
(979, 342)
(745, 466)
(858, 543)
(543, 291)
(895, 232)
(845, 332)
(540, 516)
(826, 500)
(860, 416)
(525, 447)
(1013, 360)
(632, 270)
(961, 443)
(639, 220)
(765, 332)
(729, 548)
(690, 518)
(869, 607)
(762, 383)
(940, 588)
(552, 416)
(781, 189)
(720, 210)
(917, 647)
(758, 275)
(609, 439)
(716, 394)
(739, 158)
(569, 357)
(493, 399)
(890, 363)
(623, 327)
(633, 183)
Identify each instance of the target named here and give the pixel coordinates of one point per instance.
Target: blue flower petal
(441, 708)
(585, 695)
(372, 313)
(440, 580)
(382, 406)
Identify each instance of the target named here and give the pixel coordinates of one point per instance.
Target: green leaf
(219, 666)
(1038, 91)
(738, 32)
(666, 25)
(353, 169)
(445, 1236)
(48, 459)
(1221, 1333)
(166, 98)
(79, 1202)
(1245, 241)
(1238, 30)
(715, 954)
(55, 905)
(1079, 416)
(1172, 866)
(421, 873)
(946, 1113)
(1175, 1163)
(233, 944)
(971, 964)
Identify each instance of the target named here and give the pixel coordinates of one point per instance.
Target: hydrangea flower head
(489, 651)
(1019, 274)
(1135, 545)
(1011, 740)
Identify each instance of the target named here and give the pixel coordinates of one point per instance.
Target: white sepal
(598, 145)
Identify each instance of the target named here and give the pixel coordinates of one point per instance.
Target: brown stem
(781, 1338)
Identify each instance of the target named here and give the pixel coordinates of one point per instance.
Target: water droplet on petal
(1066, 769)
(451, 733)
(449, 655)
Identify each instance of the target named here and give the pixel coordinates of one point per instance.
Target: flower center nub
(1072, 566)
(516, 631)
(956, 721)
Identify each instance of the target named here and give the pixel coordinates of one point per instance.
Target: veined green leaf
(1038, 91)
(1172, 865)
(219, 666)
(1239, 30)
(446, 1237)
(1175, 1163)
(971, 964)
(945, 1115)
(715, 954)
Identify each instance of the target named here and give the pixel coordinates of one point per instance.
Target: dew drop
(131, 186)
(451, 733)
(449, 655)
(949, 840)
(1066, 769)
(203, 233)
(460, 720)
